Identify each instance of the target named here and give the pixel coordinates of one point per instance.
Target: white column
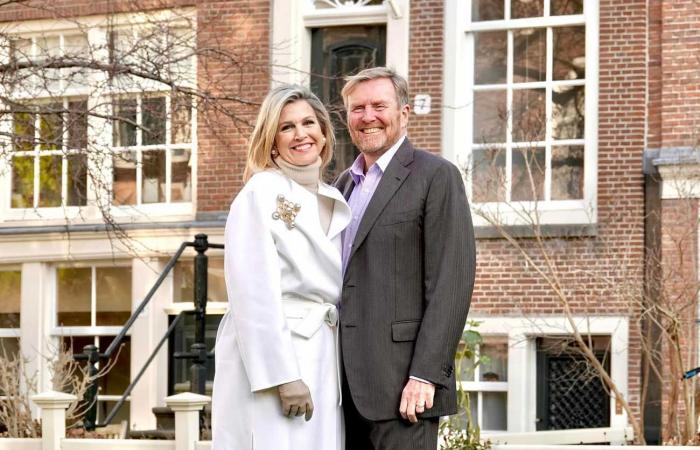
(291, 43)
(398, 37)
(53, 407)
(187, 407)
(146, 332)
(522, 371)
(37, 312)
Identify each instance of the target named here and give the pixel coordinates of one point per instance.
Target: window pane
(487, 10)
(528, 174)
(494, 364)
(124, 182)
(23, 182)
(181, 184)
(529, 55)
(494, 411)
(489, 175)
(562, 7)
(528, 115)
(73, 296)
(77, 125)
(569, 53)
(9, 347)
(474, 408)
(153, 187)
(23, 131)
(181, 119)
(124, 126)
(567, 172)
(77, 180)
(50, 180)
(113, 295)
(51, 128)
(183, 281)
(490, 117)
(76, 46)
(526, 8)
(10, 298)
(568, 112)
(117, 379)
(22, 50)
(153, 115)
(490, 57)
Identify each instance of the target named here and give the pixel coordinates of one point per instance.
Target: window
(527, 74)
(152, 143)
(183, 281)
(49, 161)
(487, 384)
(92, 304)
(119, 134)
(10, 300)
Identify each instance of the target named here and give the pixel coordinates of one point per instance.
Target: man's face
(375, 119)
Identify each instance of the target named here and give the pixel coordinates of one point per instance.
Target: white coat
(281, 325)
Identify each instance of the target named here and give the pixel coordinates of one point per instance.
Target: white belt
(313, 315)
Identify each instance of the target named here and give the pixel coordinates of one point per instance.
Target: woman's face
(299, 139)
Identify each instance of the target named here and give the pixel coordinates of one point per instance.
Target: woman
(277, 375)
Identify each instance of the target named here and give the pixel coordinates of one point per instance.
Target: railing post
(198, 370)
(53, 407)
(187, 407)
(92, 354)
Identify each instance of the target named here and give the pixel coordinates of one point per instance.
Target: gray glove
(296, 399)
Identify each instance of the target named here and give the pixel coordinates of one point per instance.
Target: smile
(301, 147)
(371, 130)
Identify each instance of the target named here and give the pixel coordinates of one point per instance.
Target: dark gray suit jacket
(408, 284)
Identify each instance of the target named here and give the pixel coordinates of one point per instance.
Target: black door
(570, 394)
(181, 340)
(335, 53)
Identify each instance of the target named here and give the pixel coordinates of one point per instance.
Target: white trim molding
(293, 20)
(522, 356)
(459, 93)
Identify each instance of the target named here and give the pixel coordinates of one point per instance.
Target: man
(409, 263)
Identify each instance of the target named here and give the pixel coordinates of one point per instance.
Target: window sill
(91, 215)
(571, 218)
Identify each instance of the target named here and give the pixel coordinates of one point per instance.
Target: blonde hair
(263, 138)
(374, 73)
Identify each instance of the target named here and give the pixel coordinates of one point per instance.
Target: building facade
(572, 120)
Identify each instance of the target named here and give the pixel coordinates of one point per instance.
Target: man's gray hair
(374, 73)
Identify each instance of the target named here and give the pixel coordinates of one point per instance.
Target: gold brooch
(287, 211)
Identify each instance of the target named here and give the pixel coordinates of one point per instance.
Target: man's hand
(296, 399)
(416, 398)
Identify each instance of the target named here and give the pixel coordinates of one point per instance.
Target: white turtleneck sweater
(309, 177)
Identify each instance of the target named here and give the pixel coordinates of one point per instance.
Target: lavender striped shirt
(365, 185)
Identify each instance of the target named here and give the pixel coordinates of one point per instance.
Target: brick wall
(591, 270)
(425, 71)
(241, 29)
(674, 121)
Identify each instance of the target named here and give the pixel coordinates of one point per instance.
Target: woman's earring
(274, 152)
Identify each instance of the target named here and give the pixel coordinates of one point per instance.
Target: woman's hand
(296, 399)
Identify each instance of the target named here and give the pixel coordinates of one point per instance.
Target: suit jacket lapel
(394, 176)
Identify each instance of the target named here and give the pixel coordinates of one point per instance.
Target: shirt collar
(357, 168)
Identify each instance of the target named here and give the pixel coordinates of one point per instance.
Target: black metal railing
(198, 351)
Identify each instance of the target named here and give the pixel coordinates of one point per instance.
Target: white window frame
(292, 21)
(91, 330)
(522, 359)
(98, 28)
(457, 90)
(479, 387)
(14, 333)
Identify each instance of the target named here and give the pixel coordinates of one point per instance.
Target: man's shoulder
(429, 161)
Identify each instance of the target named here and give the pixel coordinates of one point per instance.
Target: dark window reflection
(490, 57)
(487, 10)
(527, 183)
(567, 172)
